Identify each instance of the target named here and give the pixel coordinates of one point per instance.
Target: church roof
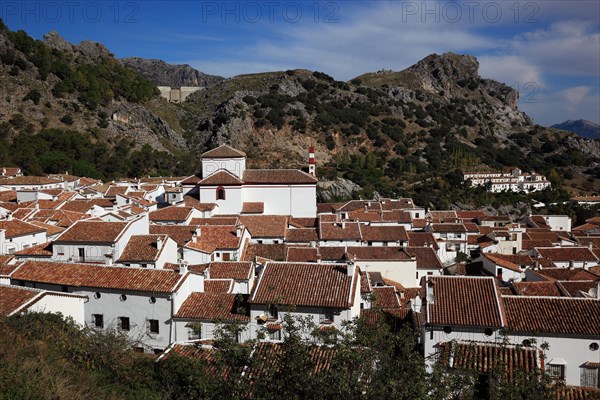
(221, 177)
(224, 151)
(277, 176)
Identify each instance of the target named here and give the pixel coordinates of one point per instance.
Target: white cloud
(575, 95)
(512, 70)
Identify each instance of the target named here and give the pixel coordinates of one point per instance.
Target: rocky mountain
(162, 74)
(409, 132)
(582, 127)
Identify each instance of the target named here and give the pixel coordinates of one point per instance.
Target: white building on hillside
(515, 181)
(226, 182)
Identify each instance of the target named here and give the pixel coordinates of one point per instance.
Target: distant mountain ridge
(162, 74)
(582, 127)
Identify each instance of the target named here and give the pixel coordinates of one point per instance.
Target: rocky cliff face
(163, 74)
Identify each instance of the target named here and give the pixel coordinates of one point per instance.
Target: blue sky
(549, 50)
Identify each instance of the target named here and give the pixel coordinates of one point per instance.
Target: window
(590, 376)
(594, 346)
(123, 323)
(64, 289)
(275, 334)
(220, 193)
(98, 320)
(97, 295)
(326, 316)
(81, 252)
(123, 297)
(60, 250)
(194, 330)
(153, 325)
(273, 311)
(152, 300)
(556, 371)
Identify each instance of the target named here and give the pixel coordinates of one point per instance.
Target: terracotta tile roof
(16, 228)
(567, 274)
(487, 357)
(536, 288)
(8, 196)
(302, 254)
(23, 213)
(530, 244)
(88, 181)
(339, 231)
(586, 227)
(29, 180)
(192, 201)
(50, 229)
(216, 237)
(142, 248)
(265, 226)
(233, 220)
(277, 176)
(83, 206)
(181, 234)
(377, 253)
(223, 151)
(114, 190)
(593, 220)
(385, 297)
(218, 285)
(443, 216)
(299, 235)
(464, 302)
(303, 222)
(384, 233)
(10, 171)
(577, 393)
(546, 235)
(427, 258)
(192, 180)
(5, 267)
(471, 215)
(13, 298)
(43, 249)
(578, 288)
(238, 270)
(418, 239)
(214, 306)
(448, 228)
(94, 276)
(172, 213)
(60, 218)
(220, 178)
(505, 291)
(509, 261)
(93, 232)
(313, 285)
(568, 253)
(253, 208)
(556, 315)
(275, 252)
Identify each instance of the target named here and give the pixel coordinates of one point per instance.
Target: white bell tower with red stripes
(311, 161)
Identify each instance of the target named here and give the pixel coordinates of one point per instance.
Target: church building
(226, 182)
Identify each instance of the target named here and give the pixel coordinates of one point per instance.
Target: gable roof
(172, 213)
(181, 234)
(16, 228)
(143, 248)
(303, 284)
(213, 306)
(213, 237)
(536, 288)
(221, 178)
(559, 315)
(277, 176)
(93, 232)
(238, 270)
(94, 276)
(464, 301)
(265, 226)
(569, 253)
(223, 151)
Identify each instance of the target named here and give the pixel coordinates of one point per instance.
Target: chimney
(159, 242)
(9, 216)
(351, 268)
(239, 230)
(183, 268)
(3, 171)
(109, 259)
(311, 161)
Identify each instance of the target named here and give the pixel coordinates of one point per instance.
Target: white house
(17, 235)
(138, 301)
(149, 251)
(18, 300)
(97, 241)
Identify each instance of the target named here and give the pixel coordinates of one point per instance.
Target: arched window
(220, 193)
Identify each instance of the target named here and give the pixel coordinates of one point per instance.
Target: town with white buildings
(169, 260)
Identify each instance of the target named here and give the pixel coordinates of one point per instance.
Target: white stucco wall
(236, 166)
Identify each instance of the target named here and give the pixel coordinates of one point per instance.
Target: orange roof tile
(383, 233)
(93, 232)
(181, 234)
(172, 213)
(215, 237)
(253, 208)
(313, 285)
(12, 298)
(557, 315)
(16, 228)
(221, 178)
(143, 248)
(223, 151)
(464, 302)
(301, 235)
(214, 306)
(536, 288)
(238, 270)
(94, 276)
(277, 176)
(265, 226)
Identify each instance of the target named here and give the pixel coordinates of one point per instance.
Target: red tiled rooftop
(237, 270)
(223, 151)
(556, 315)
(93, 232)
(314, 285)
(16, 228)
(536, 288)
(277, 176)
(143, 248)
(213, 306)
(181, 234)
(172, 213)
(221, 178)
(93, 276)
(12, 298)
(265, 226)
